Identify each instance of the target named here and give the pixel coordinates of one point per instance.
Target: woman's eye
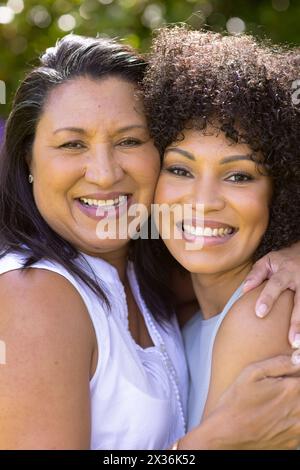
(74, 144)
(239, 178)
(130, 142)
(179, 171)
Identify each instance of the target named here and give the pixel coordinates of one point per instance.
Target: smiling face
(92, 157)
(205, 168)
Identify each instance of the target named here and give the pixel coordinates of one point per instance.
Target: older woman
(89, 364)
(221, 111)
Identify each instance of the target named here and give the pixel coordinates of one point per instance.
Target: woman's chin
(98, 244)
(200, 263)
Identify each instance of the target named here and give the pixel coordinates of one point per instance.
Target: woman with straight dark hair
(89, 363)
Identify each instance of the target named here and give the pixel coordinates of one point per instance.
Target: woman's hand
(282, 268)
(260, 410)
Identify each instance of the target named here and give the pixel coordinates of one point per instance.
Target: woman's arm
(243, 339)
(44, 398)
(254, 406)
(260, 410)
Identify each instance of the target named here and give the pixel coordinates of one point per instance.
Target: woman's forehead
(86, 102)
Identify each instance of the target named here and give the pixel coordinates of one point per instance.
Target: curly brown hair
(196, 78)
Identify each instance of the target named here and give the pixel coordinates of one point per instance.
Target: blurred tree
(27, 27)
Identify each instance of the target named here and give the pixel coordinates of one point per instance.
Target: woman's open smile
(208, 233)
(99, 206)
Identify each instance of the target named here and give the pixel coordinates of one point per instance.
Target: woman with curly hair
(221, 113)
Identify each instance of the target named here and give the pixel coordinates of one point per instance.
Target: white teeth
(105, 202)
(228, 231)
(208, 231)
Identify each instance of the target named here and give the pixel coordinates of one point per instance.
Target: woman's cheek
(147, 172)
(164, 191)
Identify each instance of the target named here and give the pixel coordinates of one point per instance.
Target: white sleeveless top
(138, 396)
(199, 337)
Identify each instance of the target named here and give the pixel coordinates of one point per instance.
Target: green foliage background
(22, 40)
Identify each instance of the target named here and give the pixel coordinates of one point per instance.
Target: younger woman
(220, 110)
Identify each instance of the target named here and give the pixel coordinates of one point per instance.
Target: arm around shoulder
(44, 399)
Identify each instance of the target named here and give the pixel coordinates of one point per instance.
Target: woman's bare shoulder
(44, 325)
(36, 285)
(45, 302)
(243, 338)
(270, 335)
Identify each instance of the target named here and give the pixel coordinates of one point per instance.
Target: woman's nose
(208, 193)
(103, 168)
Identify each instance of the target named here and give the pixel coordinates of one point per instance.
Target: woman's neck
(214, 290)
(118, 259)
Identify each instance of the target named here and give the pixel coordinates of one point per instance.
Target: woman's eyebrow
(230, 158)
(79, 130)
(133, 126)
(182, 152)
(233, 158)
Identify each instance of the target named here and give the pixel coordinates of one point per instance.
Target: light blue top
(199, 337)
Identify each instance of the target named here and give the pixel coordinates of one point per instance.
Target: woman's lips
(214, 234)
(104, 212)
(207, 241)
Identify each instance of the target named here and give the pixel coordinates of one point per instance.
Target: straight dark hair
(22, 228)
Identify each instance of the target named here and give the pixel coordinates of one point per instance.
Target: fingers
(294, 332)
(259, 273)
(278, 366)
(278, 283)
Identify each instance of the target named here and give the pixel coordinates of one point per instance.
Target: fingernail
(261, 310)
(296, 342)
(247, 284)
(296, 358)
